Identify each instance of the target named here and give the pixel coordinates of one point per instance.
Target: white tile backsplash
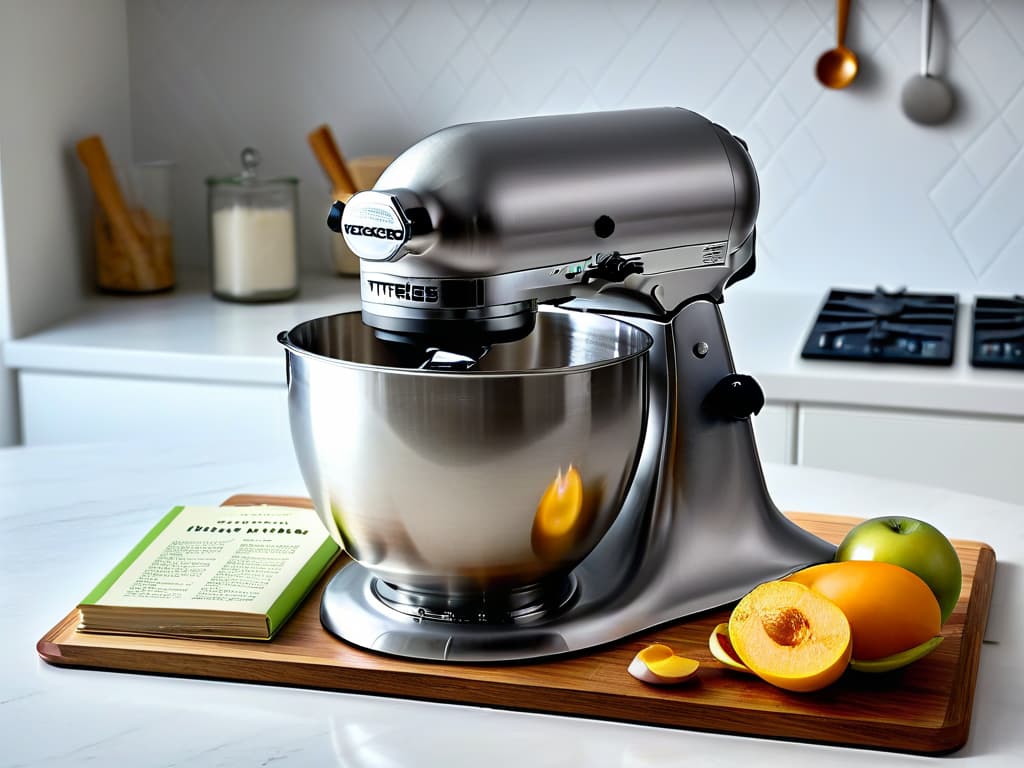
(852, 192)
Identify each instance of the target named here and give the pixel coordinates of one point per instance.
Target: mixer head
(474, 225)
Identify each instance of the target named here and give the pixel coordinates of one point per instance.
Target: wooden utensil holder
(116, 266)
(134, 251)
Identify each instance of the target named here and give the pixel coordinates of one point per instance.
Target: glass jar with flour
(253, 235)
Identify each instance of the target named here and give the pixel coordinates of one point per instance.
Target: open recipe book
(213, 572)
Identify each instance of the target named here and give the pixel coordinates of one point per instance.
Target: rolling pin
(322, 142)
(93, 155)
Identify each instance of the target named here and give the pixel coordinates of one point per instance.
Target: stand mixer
(532, 440)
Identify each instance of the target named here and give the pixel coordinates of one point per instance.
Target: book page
(220, 559)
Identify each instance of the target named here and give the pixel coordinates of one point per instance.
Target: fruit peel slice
(897, 660)
(658, 664)
(721, 648)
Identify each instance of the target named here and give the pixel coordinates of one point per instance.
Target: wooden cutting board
(922, 708)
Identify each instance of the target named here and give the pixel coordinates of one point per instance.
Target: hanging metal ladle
(838, 67)
(926, 100)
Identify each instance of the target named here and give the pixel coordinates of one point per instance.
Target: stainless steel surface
(433, 480)
(436, 478)
(697, 530)
(518, 211)
(926, 99)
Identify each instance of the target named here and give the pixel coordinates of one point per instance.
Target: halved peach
(790, 636)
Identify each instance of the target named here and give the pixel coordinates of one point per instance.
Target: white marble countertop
(187, 334)
(69, 513)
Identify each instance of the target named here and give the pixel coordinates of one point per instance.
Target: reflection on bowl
(565, 515)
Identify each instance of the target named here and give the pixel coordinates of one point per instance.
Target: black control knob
(334, 217)
(613, 268)
(737, 396)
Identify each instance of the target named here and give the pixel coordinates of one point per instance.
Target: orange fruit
(889, 608)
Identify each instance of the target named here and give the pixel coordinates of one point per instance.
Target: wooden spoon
(322, 142)
(94, 157)
(838, 67)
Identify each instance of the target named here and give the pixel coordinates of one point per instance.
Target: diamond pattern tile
(956, 193)
(797, 25)
(887, 15)
(419, 30)
(700, 57)
(393, 10)
(467, 62)
(956, 17)
(991, 153)
(772, 55)
(778, 190)
(796, 88)
(975, 109)
(630, 15)
(1011, 14)
(209, 77)
(776, 120)
(994, 56)
(469, 11)
(491, 29)
(992, 223)
(864, 35)
(800, 156)
(745, 21)
(1014, 117)
(741, 97)
(635, 57)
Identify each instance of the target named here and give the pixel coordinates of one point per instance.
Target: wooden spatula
(326, 149)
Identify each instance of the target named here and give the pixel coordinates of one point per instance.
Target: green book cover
(214, 572)
(100, 589)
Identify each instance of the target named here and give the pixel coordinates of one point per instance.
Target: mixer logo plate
(373, 227)
(381, 233)
(384, 289)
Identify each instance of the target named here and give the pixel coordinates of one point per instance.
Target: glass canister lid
(249, 177)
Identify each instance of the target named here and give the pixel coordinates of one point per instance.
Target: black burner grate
(884, 326)
(997, 336)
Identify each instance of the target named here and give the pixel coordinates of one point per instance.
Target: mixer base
(361, 609)
(518, 606)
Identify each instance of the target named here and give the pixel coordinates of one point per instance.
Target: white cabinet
(973, 454)
(774, 431)
(74, 408)
(978, 455)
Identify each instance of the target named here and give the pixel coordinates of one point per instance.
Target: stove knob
(737, 396)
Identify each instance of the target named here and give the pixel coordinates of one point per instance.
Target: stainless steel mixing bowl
(492, 479)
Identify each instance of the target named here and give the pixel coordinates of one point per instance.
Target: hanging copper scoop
(838, 67)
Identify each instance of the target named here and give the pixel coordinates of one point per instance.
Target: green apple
(913, 544)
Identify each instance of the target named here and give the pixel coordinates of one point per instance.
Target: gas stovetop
(885, 327)
(998, 332)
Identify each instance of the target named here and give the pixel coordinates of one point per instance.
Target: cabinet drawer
(774, 429)
(974, 455)
(61, 408)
